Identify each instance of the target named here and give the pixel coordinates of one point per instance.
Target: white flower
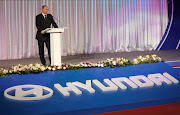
(67, 65)
(85, 65)
(81, 64)
(42, 68)
(59, 67)
(108, 59)
(120, 62)
(93, 65)
(49, 68)
(19, 65)
(30, 64)
(154, 55)
(101, 65)
(124, 60)
(10, 71)
(154, 58)
(140, 57)
(77, 65)
(72, 65)
(114, 62)
(37, 65)
(34, 68)
(89, 65)
(64, 68)
(5, 71)
(159, 59)
(25, 66)
(53, 69)
(14, 68)
(147, 56)
(134, 60)
(143, 59)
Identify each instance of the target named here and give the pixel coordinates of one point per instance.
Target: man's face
(45, 10)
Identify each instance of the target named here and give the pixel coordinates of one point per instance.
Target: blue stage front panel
(88, 103)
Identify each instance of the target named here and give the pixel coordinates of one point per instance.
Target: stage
(118, 57)
(97, 99)
(166, 55)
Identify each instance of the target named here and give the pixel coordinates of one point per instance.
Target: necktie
(45, 17)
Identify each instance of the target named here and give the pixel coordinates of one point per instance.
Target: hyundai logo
(28, 92)
(37, 92)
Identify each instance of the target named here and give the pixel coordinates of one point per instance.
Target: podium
(55, 44)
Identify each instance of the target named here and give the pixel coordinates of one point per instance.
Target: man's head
(45, 9)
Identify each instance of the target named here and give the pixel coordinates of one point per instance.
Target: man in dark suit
(43, 21)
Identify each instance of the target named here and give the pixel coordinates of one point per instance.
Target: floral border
(112, 62)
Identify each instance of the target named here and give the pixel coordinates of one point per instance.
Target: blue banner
(102, 99)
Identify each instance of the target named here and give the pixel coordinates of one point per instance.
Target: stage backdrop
(94, 26)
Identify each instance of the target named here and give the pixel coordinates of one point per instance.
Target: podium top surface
(54, 30)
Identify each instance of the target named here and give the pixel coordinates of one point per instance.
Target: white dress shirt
(44, 15)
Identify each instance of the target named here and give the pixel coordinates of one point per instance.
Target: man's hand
(42, 32)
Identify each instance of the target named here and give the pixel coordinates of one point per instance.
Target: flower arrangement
(120, 62)
(146, 59)
(112, 62)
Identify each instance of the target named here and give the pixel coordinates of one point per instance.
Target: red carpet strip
(170, 109)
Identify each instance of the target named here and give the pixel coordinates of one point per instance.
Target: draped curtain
(93, 26)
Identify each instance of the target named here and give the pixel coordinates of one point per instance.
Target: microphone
(61, 24)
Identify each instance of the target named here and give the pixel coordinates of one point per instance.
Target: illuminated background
(94, 26)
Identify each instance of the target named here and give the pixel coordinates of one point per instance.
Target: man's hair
(43, 6)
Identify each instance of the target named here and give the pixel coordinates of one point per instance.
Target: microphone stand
(61, 24)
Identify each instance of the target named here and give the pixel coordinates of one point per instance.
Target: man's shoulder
(38, 15)
(49, 15)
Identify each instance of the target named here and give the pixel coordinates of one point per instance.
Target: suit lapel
(42, 17)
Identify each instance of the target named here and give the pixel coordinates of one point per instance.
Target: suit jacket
(42, 24)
